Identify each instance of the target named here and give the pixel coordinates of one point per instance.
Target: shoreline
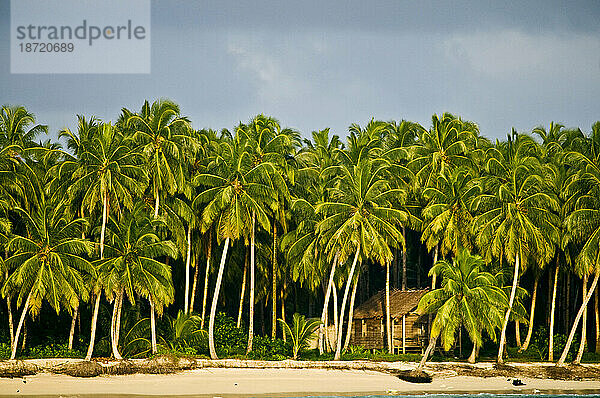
(236, 378)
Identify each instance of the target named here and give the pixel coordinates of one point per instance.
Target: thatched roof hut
(408, 327)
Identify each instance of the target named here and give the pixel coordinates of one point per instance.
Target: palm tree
(359, 219)
(517, 219)
(16, 127)
(162, 134)
(583, 222)
(107, 175)
(469, 297)
(48, 262)
(234, 202)
(448, 216)
(131, 266)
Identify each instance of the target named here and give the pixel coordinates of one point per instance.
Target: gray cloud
(315, 65)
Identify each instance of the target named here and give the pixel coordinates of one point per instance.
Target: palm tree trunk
(156, 200)
(94, 323)
(208, 255)
(324, 313)
(336, 318)
(194, 284)
(282, 306)
(586, 299)
(153, 326)
(13, 353)
(118, 323)
(274, 288)
(511, 300)
(103, 229)
(577, 360)
(473, 356)
(11, 326)
(186, 304)
(428, 351)
(351, 314)
(404, 259)
(215, 299)
(552, 311)
(531, 315)
(113, 329)
(387, 308)
(243, 292)
(72, 331)
(251, 298)
(518, 334)
(597, 311)
(435, 259)
(338, 345)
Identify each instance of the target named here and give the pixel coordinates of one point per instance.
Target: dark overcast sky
(317, 64)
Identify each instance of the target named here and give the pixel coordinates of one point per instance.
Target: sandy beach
(213, 382)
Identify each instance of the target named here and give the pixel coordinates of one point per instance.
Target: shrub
(301, 332)
(270, 349)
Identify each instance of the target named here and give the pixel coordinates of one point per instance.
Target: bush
(270, 349)
(4, 351)
(51, 350)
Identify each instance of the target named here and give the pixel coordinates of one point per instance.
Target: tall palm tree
(469, 297)
(234, 201)
(107, 175)
(360, 220)
(583, 222)
(131, 265)
(48, 263)
(517, 218)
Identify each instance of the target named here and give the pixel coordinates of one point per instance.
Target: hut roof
(401, 303)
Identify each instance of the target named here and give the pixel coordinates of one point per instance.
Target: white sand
(215, 382)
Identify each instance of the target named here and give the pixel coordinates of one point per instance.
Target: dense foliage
(133, 224)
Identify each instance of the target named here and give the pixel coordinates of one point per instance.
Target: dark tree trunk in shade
(567, 302)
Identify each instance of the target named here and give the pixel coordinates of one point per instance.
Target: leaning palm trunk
(194, 284)
(586, 299)
(215, 299)
(335, 318)
(13, 353)
(251, 298)
(350, 315)
(153, 327)
(186, 304)
(208, 254)
(324, 313)
(428, 351)
(387, 308)
(473, 356)
(113, 329)
(243, 292)
(552, 311)
(531, 313)
(94, 323)
(511, 300)
(338, 344)
(518, 334)
(72, 331)
(577, 360)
